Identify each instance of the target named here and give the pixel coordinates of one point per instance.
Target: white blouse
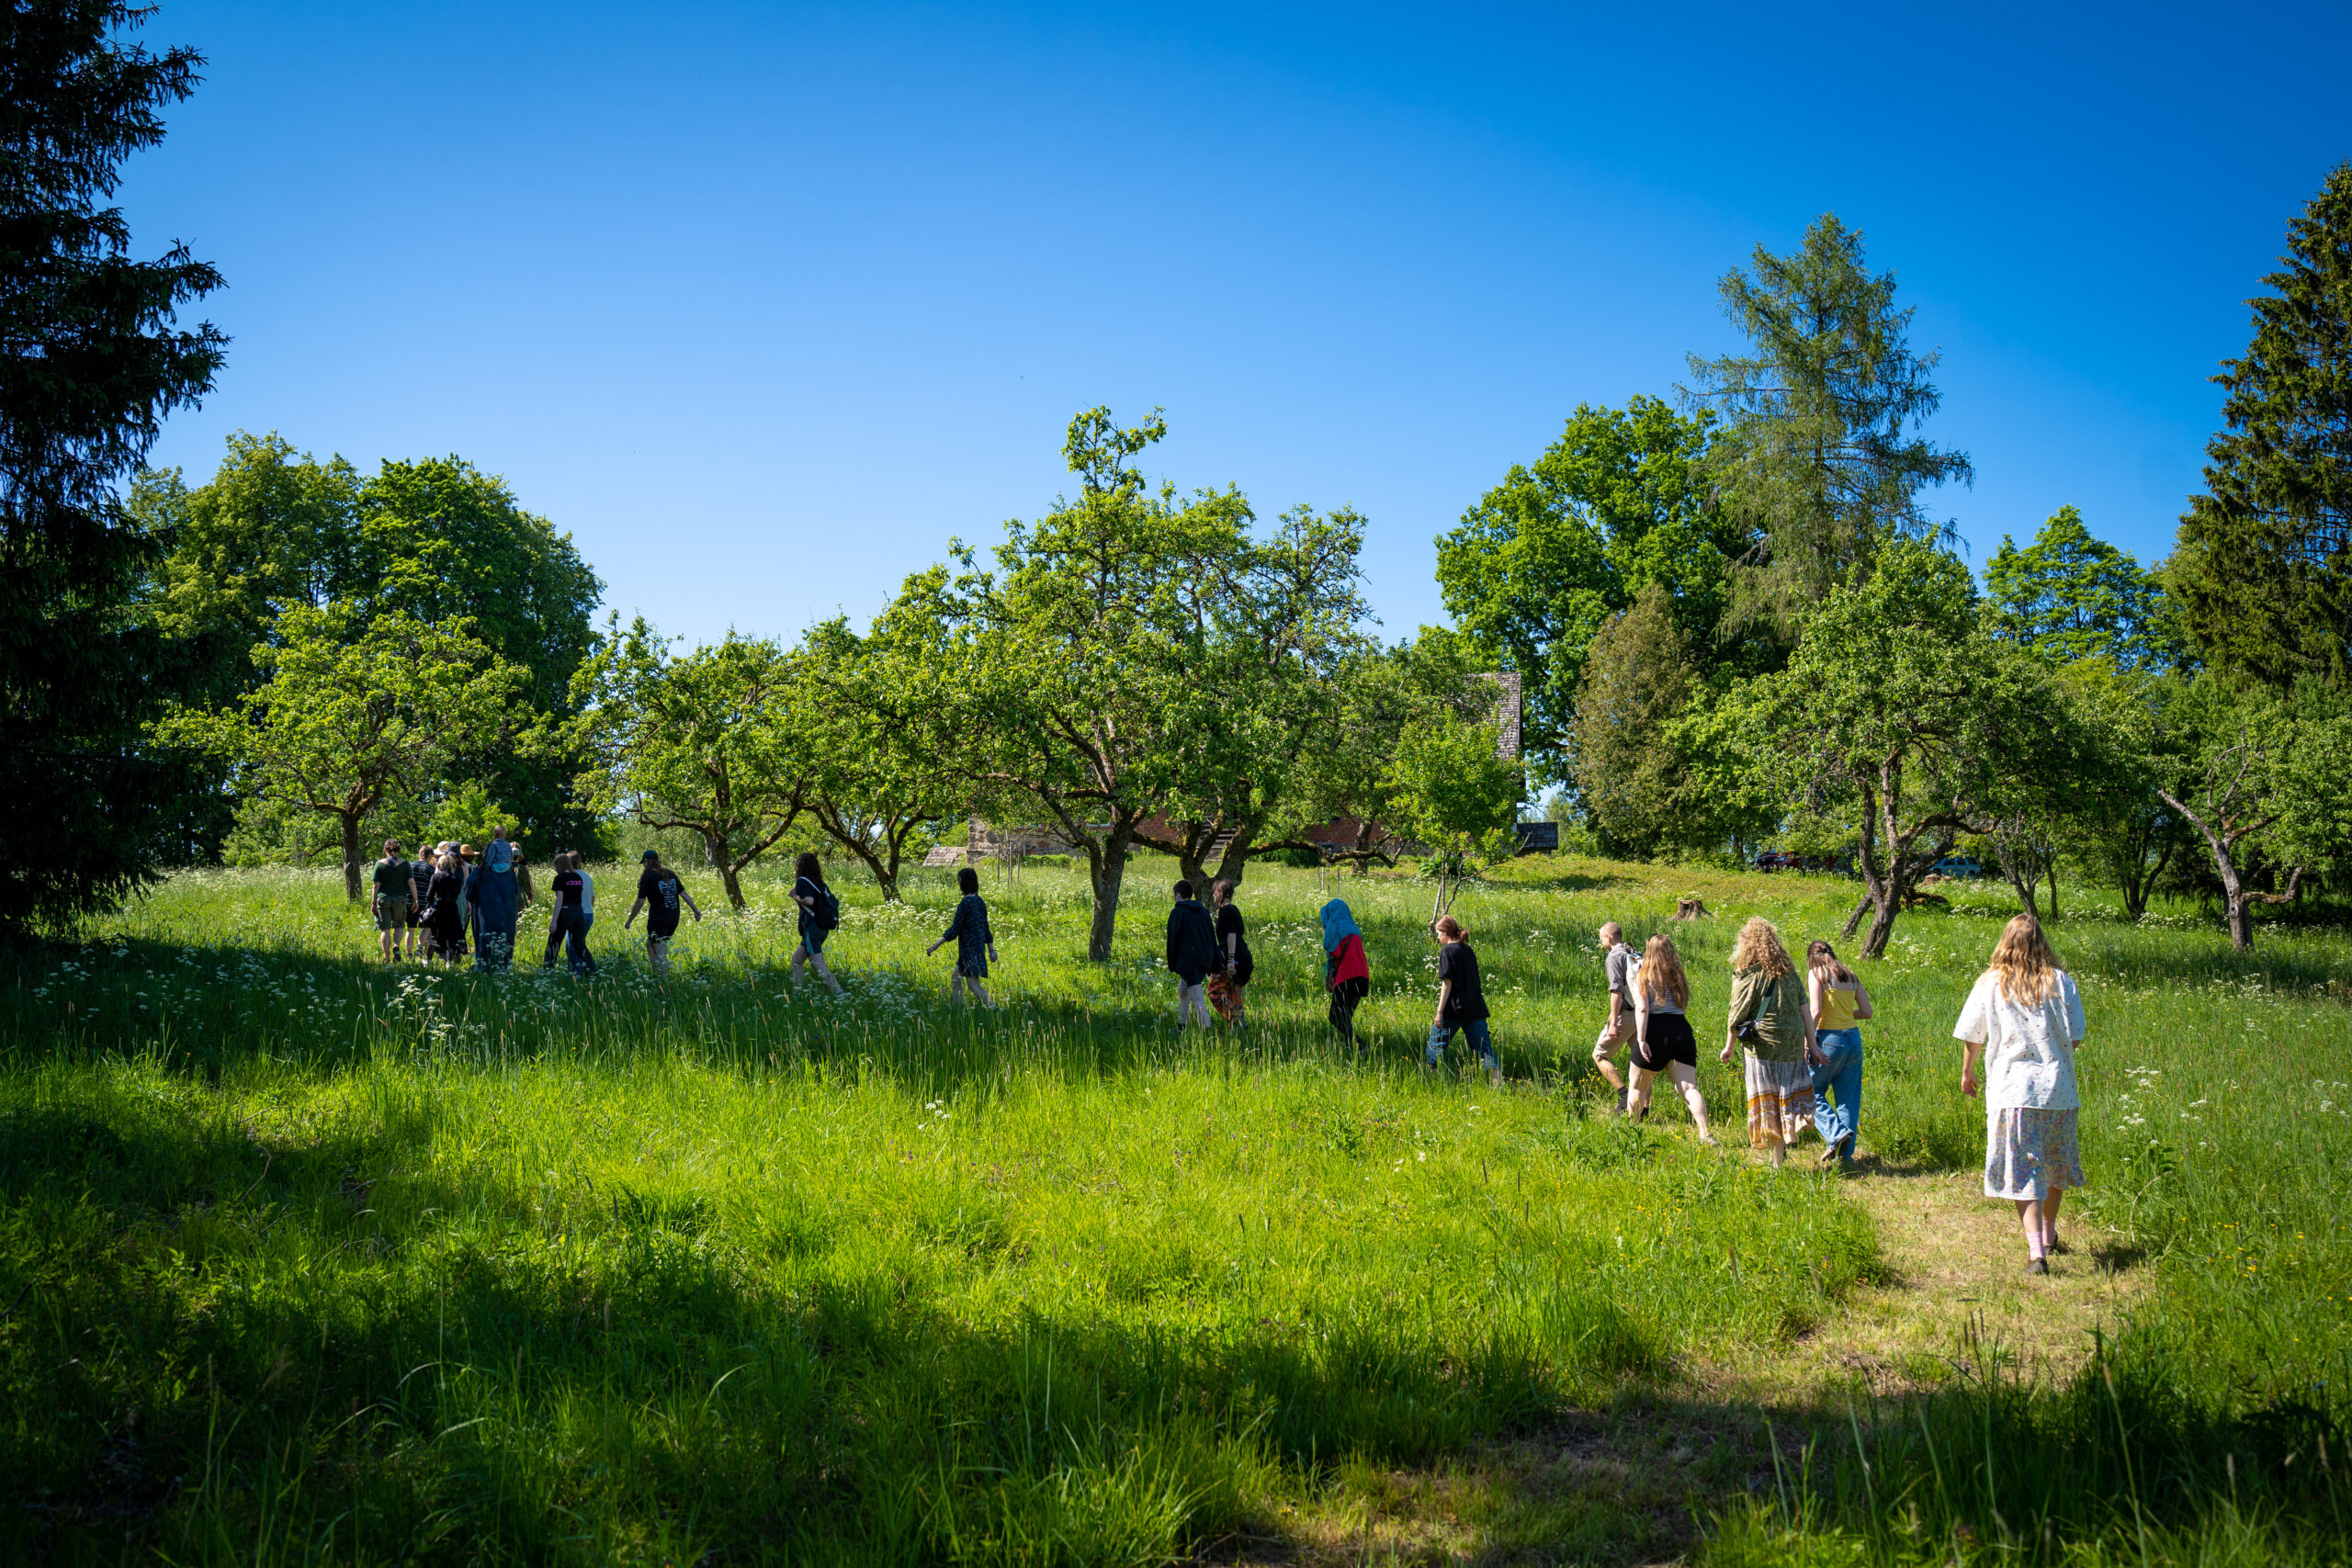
(2028, 1051)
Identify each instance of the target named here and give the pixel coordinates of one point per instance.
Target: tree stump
(1691, 910)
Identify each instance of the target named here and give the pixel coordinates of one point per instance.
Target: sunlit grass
(315, 1258)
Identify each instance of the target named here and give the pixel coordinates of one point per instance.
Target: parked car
(1959, 865)
(1780, 860)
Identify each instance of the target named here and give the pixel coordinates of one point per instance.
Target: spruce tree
(90, 362)
(2263, 566)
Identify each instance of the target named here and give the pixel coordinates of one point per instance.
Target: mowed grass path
(303, 1260)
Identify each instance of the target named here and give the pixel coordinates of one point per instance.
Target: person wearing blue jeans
(1461, 1004)
(1840, 1001)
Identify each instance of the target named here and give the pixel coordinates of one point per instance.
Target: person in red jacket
(1346, 972)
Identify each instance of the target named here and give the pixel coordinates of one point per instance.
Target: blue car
(1959, 865)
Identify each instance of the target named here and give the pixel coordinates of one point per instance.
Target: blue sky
(763, 303)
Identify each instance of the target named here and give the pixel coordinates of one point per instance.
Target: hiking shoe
(2037, 1266)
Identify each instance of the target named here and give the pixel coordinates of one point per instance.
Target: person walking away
(1229, 980)
(1347, 973)
(1840, 1002)
(1662, 1039)
(821, 915)
(569, 925)
(660, 893)
(1191, 952)
(1461, 1001)
(2026, 1016)
(445, 908)
(498, 889)
(393, 881)
(587, 908)
(1770, 1019)
(975, 942)
(1617, 961)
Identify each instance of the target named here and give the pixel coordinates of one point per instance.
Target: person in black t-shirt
(1461, 1003)
(1234, 964)
(660, 887)
(567, 926)
(394, 894)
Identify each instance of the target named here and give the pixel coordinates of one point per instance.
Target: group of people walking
(1799, 1035)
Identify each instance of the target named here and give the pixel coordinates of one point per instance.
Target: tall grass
(302, 1259)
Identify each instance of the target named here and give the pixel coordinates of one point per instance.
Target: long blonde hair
(1662, 971)
(2023, 966)
(1758, 947)
(1822, 959)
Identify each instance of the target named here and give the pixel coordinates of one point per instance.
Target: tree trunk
(2054, 888)
(1855, 919)
(1882, 927)
(1232, 866)
(2236, 912)
(2025, 885)
(350, 854)
(1107, 869)
(715, 847)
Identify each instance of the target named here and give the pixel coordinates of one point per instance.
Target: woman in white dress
(2026, 1017)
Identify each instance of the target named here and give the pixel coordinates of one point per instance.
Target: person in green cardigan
(1771, 1020)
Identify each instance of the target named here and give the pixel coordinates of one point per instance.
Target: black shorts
(1671, 1040)
(660, 933)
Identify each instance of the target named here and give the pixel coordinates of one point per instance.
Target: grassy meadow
(304, 1259)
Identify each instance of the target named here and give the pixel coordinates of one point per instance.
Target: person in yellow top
(1840, 1002)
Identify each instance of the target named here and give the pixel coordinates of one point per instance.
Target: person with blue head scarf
(1347, 973)
(497, 890)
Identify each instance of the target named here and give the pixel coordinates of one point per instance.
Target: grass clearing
(305, 1260)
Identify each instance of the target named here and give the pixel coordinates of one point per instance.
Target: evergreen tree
(2263, 569)
(1812, 454)
(1628, 774)
(90, 363)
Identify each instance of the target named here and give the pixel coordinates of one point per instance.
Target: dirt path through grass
(1959, 1289)
(1629, 1484)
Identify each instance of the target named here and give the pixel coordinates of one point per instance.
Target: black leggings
(1344, 997)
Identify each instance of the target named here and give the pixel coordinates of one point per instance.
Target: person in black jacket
(1191, 952)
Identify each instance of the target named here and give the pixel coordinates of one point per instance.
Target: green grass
(301, 1259)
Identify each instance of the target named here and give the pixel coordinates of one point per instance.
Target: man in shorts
(1618, 959)
(660, 892)
(394, 897)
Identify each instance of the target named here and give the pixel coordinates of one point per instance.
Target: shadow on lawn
(245, 1341)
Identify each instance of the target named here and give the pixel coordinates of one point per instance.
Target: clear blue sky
(765, 303)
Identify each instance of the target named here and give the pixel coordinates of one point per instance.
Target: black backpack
(827, 912)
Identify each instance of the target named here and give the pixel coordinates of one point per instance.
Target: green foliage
(90, 363)
(2263, 566)
(1812, 455)
(354, 717)
(436, 540)
(1628, 773)
(2069, 596)
(1346, 771)
(1453, 791)
(1545, 558)
(1898, 702)
(705, 742)
(708, 1268)
(2265, 781)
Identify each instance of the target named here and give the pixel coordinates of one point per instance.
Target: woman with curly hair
(1770, 1019)
(2025, 1017)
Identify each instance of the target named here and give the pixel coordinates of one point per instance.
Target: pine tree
(2263, 567)
(89, 364)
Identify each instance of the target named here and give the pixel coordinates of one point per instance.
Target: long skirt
(1780, 1099)
(2030, 1152)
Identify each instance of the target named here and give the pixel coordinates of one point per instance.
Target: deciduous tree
(2069, 596)
(355, 712)
(707, 741)
(1547, 558)
(1455, 793)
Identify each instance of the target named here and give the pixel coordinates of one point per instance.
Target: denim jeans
(1838, 1090)
(575, 942)
(1441, 1035)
